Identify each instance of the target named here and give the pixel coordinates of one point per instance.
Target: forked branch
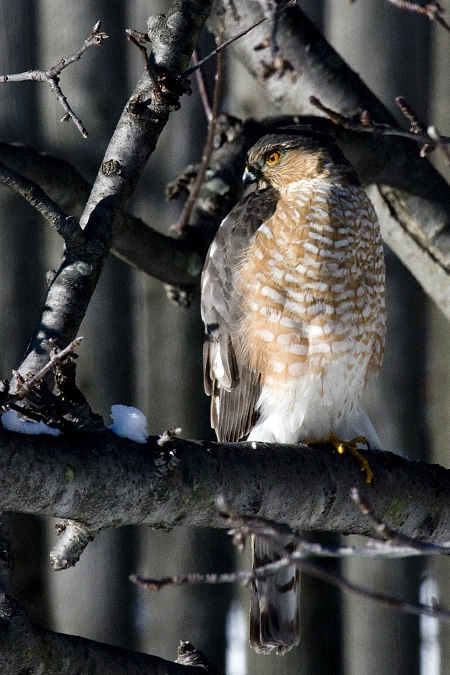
(51, 76)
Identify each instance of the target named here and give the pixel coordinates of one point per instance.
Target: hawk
(293, 306)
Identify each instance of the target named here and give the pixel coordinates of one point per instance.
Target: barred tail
(275, 607)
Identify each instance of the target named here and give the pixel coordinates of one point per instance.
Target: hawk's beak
(248, 176)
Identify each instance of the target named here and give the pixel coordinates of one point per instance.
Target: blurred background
(141, 350)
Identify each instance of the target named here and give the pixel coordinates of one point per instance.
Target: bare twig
(418, 132)
(222, 46)
(395, 546)
(51, 76)
(25, 386)
(202, 87)
(246, 577)
(273, 532)
(433, 11)
(416, 126)
(136, 39)
(207, 151)
(441, 143)
(392, 537)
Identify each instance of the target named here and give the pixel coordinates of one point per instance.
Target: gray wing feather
(233, 386)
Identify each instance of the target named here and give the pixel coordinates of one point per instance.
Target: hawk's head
(280, 159)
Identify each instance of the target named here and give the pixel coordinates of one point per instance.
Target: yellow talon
(351, 447)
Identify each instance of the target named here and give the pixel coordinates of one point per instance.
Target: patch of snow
(129, 423)
(12, 422)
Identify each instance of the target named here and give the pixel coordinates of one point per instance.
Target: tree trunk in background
(93, 599)
(169, 388)
(390, 51)
(439, 331)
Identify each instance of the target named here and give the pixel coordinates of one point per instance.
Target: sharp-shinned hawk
(293, 303)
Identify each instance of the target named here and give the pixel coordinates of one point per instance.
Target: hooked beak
(249, 176)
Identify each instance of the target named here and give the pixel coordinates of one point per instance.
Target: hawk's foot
(351, 447)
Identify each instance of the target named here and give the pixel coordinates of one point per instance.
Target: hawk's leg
(351, 447)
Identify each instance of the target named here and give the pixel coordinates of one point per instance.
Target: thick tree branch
(76, 475)
(418, 196)
(135, 137)
(25, 647)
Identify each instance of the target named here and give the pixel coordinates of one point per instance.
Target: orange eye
(272, 157)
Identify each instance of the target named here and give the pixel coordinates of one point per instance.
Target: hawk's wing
(233, 386)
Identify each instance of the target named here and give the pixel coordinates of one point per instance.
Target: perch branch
(178, 484)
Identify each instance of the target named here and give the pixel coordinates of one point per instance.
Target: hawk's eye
(272, 157)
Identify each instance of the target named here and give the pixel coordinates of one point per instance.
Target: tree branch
(29, 648)
(25, 647)
(67, 227)
(179, 483)
(134, 139)
(432, 10)
(277, 535)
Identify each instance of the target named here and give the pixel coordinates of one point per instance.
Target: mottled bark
(103, 481)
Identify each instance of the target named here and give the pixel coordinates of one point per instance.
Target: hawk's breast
(312, 284)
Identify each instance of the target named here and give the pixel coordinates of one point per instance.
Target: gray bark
(306, 488)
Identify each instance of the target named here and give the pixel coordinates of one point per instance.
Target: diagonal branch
(67, 227)
(134, 139)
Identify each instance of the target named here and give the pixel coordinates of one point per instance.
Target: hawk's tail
(274, 609)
